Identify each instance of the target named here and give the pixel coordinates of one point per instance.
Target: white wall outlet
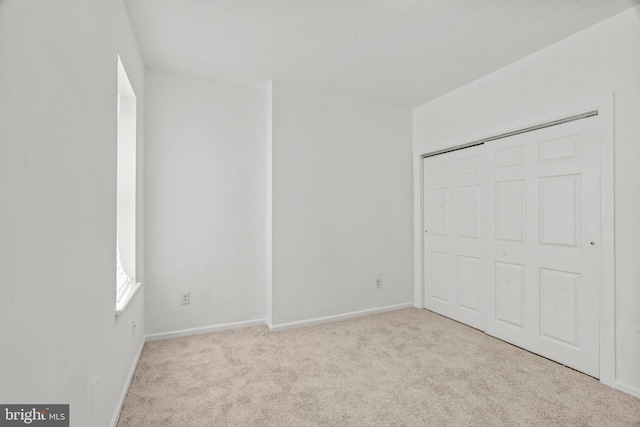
(186, 298)
(377, 282)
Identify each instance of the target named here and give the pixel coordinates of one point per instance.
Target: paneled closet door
(454, 235)
(542, 242)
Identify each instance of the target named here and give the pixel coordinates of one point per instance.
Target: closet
(511, 238)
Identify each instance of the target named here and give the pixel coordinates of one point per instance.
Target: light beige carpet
(402, 368)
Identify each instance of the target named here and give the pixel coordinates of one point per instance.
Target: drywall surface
(602, 59)
(58, 91)
(341, 205)
(205, 202)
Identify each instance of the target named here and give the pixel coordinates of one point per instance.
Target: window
(126, 285)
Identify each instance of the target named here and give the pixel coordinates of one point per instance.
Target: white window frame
(126, 285)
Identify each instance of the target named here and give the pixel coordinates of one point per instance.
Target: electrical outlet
(378, 282)
(186, 298)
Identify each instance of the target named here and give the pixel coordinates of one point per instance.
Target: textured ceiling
(402, 52)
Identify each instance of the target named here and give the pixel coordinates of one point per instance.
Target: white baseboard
(626, 388)
(278, 327)
(327, 319)
(127, 384)
(205, 329)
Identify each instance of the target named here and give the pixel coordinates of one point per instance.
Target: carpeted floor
(402, 368)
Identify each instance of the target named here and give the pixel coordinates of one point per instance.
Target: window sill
(122, 305)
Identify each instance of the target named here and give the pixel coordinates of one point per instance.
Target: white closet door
(453, 235)
(543, 252)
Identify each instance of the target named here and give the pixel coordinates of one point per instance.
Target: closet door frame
(604, 107)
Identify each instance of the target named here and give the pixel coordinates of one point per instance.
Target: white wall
(341, 205)
(58, 87)
(601, 59)
(205, 202)
(277, 204)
